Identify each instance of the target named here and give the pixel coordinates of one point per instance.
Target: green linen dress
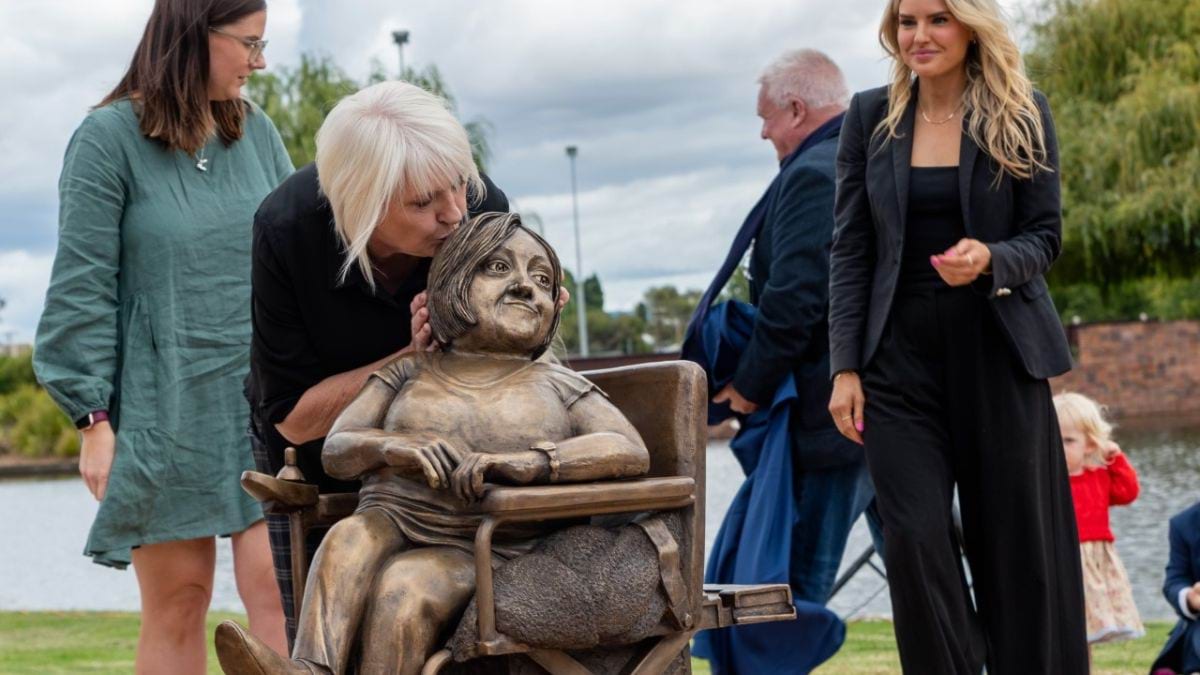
(148, 316)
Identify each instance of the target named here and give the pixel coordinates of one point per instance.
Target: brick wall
(1138, 369)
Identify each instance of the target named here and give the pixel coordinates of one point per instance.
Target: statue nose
(521, 289)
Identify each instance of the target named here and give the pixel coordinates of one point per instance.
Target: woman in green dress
(145, 337)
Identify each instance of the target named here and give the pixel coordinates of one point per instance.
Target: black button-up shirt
(307, 325)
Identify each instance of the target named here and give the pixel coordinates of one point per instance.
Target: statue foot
(240, 653)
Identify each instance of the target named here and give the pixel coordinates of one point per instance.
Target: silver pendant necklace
(201, 161)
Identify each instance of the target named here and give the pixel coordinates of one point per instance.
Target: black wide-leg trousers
(948, 404)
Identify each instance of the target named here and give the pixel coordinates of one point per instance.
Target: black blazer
(1019, 220)
(1182, 651)
(789, 285)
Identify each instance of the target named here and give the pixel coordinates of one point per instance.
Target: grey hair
(379, 141)
(807, 75)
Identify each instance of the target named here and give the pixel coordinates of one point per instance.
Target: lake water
(45, 523)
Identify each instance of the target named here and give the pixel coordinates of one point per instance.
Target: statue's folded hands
(424, 456)
(516, 468)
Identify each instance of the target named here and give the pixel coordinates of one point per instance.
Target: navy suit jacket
(1019, 220)
(789, 287)
(1182, 651)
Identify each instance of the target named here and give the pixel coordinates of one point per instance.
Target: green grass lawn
(870, 649)
(104, 642)
(77, 642)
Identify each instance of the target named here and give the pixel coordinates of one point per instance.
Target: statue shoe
(240, 653)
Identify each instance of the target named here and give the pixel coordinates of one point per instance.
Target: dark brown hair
(455, 265)
(169, 73)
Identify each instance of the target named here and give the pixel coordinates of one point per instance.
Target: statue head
(494, 287)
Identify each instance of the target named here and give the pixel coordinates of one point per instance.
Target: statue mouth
(529, 307)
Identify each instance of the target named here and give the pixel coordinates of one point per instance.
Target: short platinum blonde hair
(377, 143)
(1080, 412)
(807, 75)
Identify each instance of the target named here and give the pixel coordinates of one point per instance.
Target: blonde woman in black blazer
(942, 339)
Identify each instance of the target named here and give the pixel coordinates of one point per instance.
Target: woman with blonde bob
(942, 339)
(341, 254)
(417, 150)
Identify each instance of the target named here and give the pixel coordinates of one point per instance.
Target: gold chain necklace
(938, 122)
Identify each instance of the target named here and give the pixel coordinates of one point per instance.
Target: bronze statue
(427, 434)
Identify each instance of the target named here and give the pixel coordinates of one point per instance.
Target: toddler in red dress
(1101, 477)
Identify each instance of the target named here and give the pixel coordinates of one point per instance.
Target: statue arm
(606, 444)
(356, 444)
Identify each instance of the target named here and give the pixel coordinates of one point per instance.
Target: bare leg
(416, 595)
(175, 579)
(255, 575)
(339, 583)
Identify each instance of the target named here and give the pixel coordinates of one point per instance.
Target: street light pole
(580, 297)
(400, 37)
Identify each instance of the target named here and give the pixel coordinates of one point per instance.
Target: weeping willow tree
(298, 98)
(1123, 77)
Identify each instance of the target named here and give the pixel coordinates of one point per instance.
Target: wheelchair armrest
(587, 499)
(280, 496)
(334, 506)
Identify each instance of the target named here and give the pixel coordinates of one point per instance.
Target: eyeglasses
(256, 47)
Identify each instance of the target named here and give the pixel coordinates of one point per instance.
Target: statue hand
(517, 468)
(433, 458)
(467, 481)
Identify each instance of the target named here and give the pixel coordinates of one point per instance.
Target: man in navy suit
(801, 100)
(1182, 590)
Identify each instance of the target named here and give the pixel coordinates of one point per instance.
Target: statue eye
(542, 279)
(497, 266)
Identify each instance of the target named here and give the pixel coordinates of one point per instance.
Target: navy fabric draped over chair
(754, 542)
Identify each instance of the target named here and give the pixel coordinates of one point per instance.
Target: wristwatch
(91, 419)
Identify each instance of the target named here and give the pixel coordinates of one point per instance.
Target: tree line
(1123, 78)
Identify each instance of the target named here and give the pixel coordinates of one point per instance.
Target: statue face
(511, 299)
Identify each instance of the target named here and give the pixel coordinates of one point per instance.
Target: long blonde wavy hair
(1004, 120)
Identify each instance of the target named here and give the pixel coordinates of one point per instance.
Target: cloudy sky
(658, 95)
